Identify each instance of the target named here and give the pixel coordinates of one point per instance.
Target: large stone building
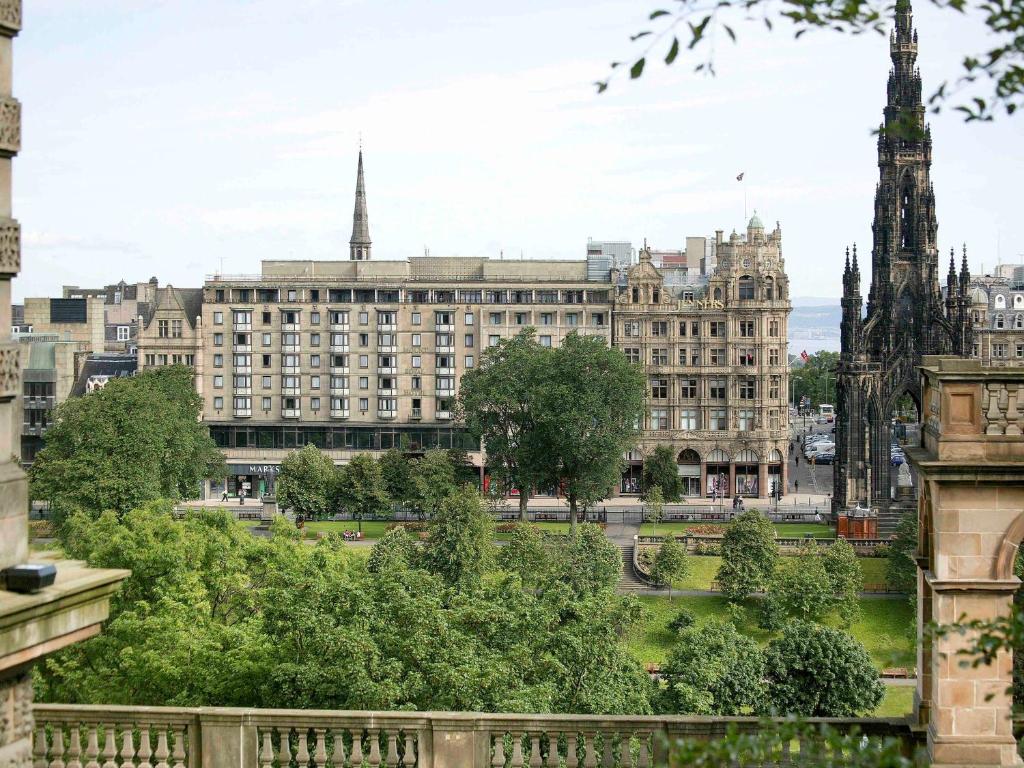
(364, 355)
(997, 317)
(906, 314)
(123, 303)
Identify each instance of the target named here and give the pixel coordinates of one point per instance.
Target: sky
(179, 138)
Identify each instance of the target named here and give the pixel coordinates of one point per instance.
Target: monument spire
(359, 245)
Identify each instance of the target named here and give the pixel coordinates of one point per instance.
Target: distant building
(98, 370)
(122, 304)
(997, 317)
(605, 255)
(69, 319)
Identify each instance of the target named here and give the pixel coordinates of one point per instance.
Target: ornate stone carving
(1001, 404)
(10, 372)
(10, 126)
(10, 17)
(10, 247)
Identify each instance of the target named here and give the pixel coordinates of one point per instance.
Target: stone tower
(359, 245)
(906, 315)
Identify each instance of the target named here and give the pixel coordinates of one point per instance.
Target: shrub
(684, 619)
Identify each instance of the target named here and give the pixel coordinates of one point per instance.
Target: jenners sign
(702, 303)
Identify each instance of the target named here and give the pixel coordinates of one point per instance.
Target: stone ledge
(70, 611)
(972, 585)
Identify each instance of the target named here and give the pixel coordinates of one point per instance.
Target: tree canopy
(359, 488)
(135, 440)
(749, 555)
(660, 471)
(306, 482)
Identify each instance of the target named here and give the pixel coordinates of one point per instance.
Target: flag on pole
(740, 177)
(804, 356)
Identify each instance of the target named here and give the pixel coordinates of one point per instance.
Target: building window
(659, 388)
(522, 318)
(267, 403)
(218, 295)
(123, 332)
(748, 389)
(293, 295)
(265, 382)
(218, 360)
(163, 328)
(1020, 350)
(659, 418)
(688, 419)
(746, 287)
(659, 356)
(597, 319)
(218, 403)
(314, 361)
(314, 403)
(218, 318)
(688, 388)
(161, 359)
(682, 327)
(773, 328)
(632, 354)
(314, 339)
(218, 382)
(267, 361)
(364, 318)
(494, 318)
(659, 328)
(364, 361)
(716, 328)
(716, 389)
(469, 361)
(151, 360)
(999, 324)
(747, 328)
(364, 382)
(773, 357)
(745, 356)
(468, 340)
(999, 350)
(572, 319)
(218, 339)
(716, 420)
(774, 387)
(417, 383)
(469, 318)
(746, 419)
(314, 318)
(417, 361)
(314, 382)
(717, 356)
(545, 341)
(631, 329)
(492, 341)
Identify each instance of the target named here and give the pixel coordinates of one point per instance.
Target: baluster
(498, 761)
(109, 747)
(92, 748)
(643, 759)
(320, 753)
(374, 758)
(266, 749)
(57, 748)
(127, 747)
(357, 748)
(75, 748)
(302, 752)
(145, 748)
(338, 754)
(286, 748)
(179, 748)
(535, 758)
(572, 759)
(392, 759)
(553, 761)
(162, 752)
(589, 758)
(517, 750)
(608, 747)
(39, 749)
(409, 753)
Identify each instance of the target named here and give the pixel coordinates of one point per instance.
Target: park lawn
(372, 529)
(704, 569)
(898, 701)
(818, 530)
(545, 527)
(883, 627)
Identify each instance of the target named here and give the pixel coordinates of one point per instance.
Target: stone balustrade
(73, 736)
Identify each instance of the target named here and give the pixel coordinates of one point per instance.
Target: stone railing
(785, 543)
(166, 737)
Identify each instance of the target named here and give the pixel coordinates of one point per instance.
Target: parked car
(825, 457)
(896, 459)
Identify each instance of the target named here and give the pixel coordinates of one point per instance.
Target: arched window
(1018, 300)
(746, 287)
(999, 325)
(746, 457)
(718, 456)
(1000, 301)
(1018, 321)
(718, 294)
(688, 456)
(775, 456)
(907, 217)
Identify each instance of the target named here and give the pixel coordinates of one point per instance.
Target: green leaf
(673, 51)
(729, 32)
(637, 69)
(602, 85)
(656, 14)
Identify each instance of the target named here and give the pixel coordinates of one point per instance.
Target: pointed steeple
(965, 274)
(359, 245)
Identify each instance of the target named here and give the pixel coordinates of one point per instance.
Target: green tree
(660, 470)
(713, 670)
(460, 547)
(816, 378)
(526, 554)
(655, 508)
(395, 550)
(817, 671)
(670, 563)
(587, 562)
(135, 440)
(846, 579)
(749, 556)
(901, 565)
(359, 488)
(306, 482)
(590, 400)
(1000, 65)
(433, 479)
(799, 588)
(498, 405)
(396, 470)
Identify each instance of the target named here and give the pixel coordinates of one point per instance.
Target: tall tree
(433, 480)
(587, 562)
(359, 488)
(135, 440)
(749, 555)
(590, 401)
(396, 470)
(799, 588)
(306, 482)
(670, 563)
(460, 547)
(846, 579)
(900, 566)
(497, 403)
(660, 470)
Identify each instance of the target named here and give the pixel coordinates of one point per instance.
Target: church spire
(359, 245)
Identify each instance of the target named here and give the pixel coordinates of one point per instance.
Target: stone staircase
(629, 581)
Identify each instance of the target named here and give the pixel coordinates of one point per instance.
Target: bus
(827, 412)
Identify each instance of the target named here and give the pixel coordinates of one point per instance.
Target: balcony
(291, 326)
(445, 392)
(242, 327)
(339, 413)
(242, 369)
(241, 348)
(443, 415)
(290, 348)
(339, 370)
(340, 390)
(391, 348)
(340, 348)
(447, 350)
(242, 413)
(290, 391)
(291, 370)
(445, 328)
(387, 327)
(388, 370)
(445, 371)
(387, 391)
(242, 391)
(291, 413)
(386, 414)
(67, 734)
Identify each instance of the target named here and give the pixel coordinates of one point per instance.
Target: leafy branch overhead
(991, 82)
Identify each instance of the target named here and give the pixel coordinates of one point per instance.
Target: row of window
(242, 318)
(746, 329)
(294, 339)
(412, 296)
(711, 419)
(166, 329)
(745, 388)
(360, 438)
(1001, 350)
(691, 356)
(152, 358)
(245, 381)
(292, 406)
(294, 361)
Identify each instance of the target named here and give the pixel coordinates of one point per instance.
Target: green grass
(883, 628)
(898, 701)
(372, 529)
(546, 527)
(704, 568)
(873, 569)
(818, 530)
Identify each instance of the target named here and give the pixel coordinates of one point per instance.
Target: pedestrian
(224, 496)
(791, 446)
(796, 486)
(798, 459)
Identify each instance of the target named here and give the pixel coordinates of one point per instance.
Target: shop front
(776, 478)
(632, 478)
(747, 476)
(718, 473)
(251, 481)
(688, 466)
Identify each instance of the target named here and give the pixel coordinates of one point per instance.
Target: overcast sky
(166, 137)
